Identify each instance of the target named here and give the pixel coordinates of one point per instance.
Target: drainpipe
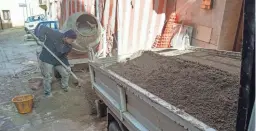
(1, 23)
(45, 13)
(97, 9)
(119, 37)
(26, 7)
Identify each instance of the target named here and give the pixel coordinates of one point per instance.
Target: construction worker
(60, 44)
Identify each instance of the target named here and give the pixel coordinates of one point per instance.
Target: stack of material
(164, 41)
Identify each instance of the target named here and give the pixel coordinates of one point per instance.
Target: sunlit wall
(19, 14)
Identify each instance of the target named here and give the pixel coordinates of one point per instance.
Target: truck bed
(203, 83)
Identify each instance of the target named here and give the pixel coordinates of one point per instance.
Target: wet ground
(62, 112)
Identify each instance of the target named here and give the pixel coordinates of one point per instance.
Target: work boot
(66, 89)
(48, 95)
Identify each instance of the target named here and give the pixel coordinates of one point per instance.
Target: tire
(113, 126)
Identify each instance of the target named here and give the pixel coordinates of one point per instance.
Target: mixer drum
(88, 30)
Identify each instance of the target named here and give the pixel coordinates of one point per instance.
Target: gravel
(209, 94)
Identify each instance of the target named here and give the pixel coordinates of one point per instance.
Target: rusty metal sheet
(69, 7)
(137, 22)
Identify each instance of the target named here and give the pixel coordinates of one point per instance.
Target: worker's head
(70, 36)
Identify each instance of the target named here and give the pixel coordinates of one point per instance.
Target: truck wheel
(113, 126)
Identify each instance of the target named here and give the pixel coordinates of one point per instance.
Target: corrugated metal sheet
(69, 7)
(136, 22)
(139, 22)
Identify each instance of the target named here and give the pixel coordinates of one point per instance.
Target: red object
(83, 6)
(73, 7)
(206, 4)
(78, 6)
(164, 41)
(70, 6)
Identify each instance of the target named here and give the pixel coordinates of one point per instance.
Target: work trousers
(47, 71)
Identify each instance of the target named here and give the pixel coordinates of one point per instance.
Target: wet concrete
(62, 112)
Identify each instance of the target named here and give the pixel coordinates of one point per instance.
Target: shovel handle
(40, 43)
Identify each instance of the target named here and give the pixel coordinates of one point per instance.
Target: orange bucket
(23, 103)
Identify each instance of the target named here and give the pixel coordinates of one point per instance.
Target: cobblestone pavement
(63, 112)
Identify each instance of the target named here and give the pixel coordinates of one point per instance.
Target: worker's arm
(62, 49)
(41, 32)
(49, 36)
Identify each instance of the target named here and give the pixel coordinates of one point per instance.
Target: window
(6, 15)
(35, 18)
(51, 25)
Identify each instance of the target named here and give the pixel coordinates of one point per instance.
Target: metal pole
(26, 7)
(97, 9)
(24, 15)
(1, 23)
(30, 10)
(119, 28)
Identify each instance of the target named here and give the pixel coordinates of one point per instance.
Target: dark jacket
(54, 41)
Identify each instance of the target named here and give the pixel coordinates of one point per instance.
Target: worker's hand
(69, 70)
(40, 43)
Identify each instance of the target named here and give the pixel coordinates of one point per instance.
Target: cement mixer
(89, 33)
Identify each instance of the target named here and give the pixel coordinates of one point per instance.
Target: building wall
(215, 28)
(19, 14)
(239, 35)
(206, 23)
(141, 21)
(16, 13)
(52, 10)
(230, 25)
(33, 8)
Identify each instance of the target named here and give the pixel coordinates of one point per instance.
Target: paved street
(63, 112)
